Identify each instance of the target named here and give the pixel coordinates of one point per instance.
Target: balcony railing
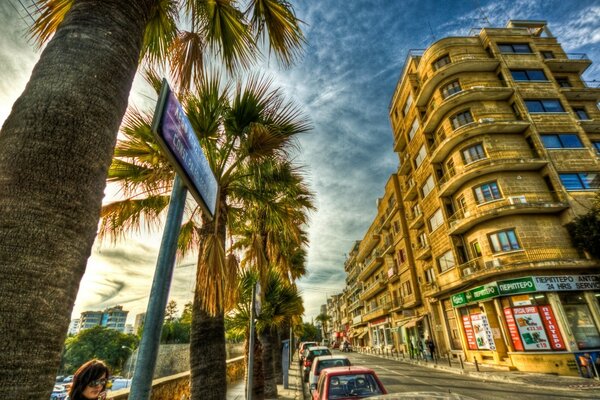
(377, 312)
(373, 289)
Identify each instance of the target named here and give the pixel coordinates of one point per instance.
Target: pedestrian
(431, 346)
(89, 382)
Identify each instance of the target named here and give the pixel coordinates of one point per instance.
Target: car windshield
(355, 385)
(320, 352)
(341, 362)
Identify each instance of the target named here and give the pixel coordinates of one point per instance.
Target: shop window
(477, 329)
(514, 48)
(544, 106)
(440, 62)
(528, 75)
(561, 141)
(450, 89)
(446, 261)
(581, 113)
(504, 241)
(579, 318)
(473, 153)
(487, 192)
(461, 119)
(580, 181)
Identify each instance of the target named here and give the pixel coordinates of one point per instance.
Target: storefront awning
(362, 335)
(409, 323)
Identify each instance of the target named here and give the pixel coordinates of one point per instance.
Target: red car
(347, 383)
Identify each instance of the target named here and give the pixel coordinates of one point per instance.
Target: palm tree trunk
(258, 377)
(55, 149)
(267, 339)
(208, 367)
(277, 353)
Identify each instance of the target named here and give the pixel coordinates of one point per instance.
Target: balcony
(355, 305)
(371, 263)
(463, 63)
(573, 62)
(373, 289)
(525, 203)
(590, 125)
(358, 320)
(392, 274)
(443, 144)
(454, 179)
(415, 220)
(399, 142)
(377, 312)
(387, 218)
(405, 166)
(588, 91)
(476, 93)
(409, 189)
(422, 251)
(470, 267)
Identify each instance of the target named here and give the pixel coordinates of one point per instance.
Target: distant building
(113, 318)
(73, 326)
(139, 321)
(129, 329)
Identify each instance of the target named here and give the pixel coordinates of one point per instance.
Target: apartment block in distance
(498, 139)
(113, 318)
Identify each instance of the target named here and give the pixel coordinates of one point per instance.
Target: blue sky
(355, 53)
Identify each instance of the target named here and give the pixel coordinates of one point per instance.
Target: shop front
(381, 334)
(413, 332)
(533, 323)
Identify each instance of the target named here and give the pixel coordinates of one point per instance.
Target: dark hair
(88, 372)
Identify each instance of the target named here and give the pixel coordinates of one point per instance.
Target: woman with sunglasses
(89, 382)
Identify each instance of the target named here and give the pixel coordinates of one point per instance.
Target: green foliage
(175, 332)
(585, 232)
(186, 315)
(171, 311)
(109, 345)
(310, 333)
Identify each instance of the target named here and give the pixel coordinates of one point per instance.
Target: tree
(57, 144)
(241, 130)
(109, 345)
(585, 230)
(308, 333)
(171, 311)
(323, 319)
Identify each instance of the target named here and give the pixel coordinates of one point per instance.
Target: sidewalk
(235, 391)
(490, 373)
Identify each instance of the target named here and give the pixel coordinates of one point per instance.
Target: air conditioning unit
(468, 271)
(495, 263)
(517, 200)
(486, 120)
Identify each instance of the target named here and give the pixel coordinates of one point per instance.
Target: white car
(120, 383)
(58, 393)
(322, 362)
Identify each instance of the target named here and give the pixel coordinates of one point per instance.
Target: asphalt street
(402, 377)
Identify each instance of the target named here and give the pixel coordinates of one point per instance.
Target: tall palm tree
(57, 144)
(241, 130)
(324, 320)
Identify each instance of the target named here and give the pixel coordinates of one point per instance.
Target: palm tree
(241, 131)
(282, 303)
(57, 144)
(323, 319)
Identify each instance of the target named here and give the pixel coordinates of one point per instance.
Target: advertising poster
(556, 340)
(513, 330)
(479, 323)
(469, 332)
(531, 328)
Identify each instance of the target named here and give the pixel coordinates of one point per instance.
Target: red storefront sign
(469, 332)
(556, 340)
(512, 329)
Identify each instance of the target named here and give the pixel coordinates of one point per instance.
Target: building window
(528, 75)
(461, 119)
(581, 113)
(420, 156)
(596, 145)
(450, 89)
(446, 261)
(436, 220)
(580, 319)
(473, 153)
(401, 256)
(476, 249)
(428, 186)
(504, 241)
(407, 105)
(422, 238)
(487, 192)
(564, 82)
(544, 106)
(520, 48)
(413, 129)
(429, 275)
(561, 141)
(547, 55)
(580, 181)
(406, 289)
(416, 210)
(440, 62)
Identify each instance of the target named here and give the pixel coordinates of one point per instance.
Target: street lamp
(131, 364)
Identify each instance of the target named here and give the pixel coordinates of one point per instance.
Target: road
(403, 377)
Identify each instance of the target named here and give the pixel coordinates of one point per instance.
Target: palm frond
(189, 237)
(153, 78)
(52, 13)
(161, 30)
(187, 59)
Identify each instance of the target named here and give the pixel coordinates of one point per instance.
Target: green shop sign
(458, 300)
(516, 286)
(476, 294)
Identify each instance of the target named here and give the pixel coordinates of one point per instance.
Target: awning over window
(410, 322)
(362, 334)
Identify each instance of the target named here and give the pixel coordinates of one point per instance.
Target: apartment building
(498, 139)
(113, 318)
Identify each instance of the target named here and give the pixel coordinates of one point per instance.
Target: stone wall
(177, 387)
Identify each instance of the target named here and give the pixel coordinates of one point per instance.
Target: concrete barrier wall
(177, 387)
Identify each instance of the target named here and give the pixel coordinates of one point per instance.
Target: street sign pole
(251, 341)
(148, 352)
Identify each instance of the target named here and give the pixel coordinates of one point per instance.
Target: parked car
(347, 383)
(322, 362)
(301, 348)
(309, 355)
(422, 396)
(58, 393)
(68, 379)
(120, 383)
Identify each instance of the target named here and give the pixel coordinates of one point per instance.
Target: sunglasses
(97, 382)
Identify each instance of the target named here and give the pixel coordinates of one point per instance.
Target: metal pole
(476, 364)
(155, 313)
(462, 366)
(251, 346)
